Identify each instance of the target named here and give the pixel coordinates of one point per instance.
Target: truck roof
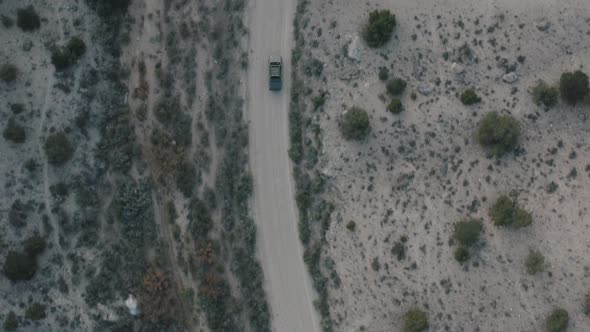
(275, 58)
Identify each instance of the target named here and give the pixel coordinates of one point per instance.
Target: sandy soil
(421, 171)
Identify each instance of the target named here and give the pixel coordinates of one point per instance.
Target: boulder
(131, 304)
(425, 89)
(543, 25)
(457, 68)
(510, 77)
(355, 51)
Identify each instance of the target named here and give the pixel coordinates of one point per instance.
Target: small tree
(355, 124)
(498, 132)
(27, 19)
(469, 97)
(19, 266)
(467, 231)
(8, 72)
(377, 31)
(573, 86)
(535, 263)
(395, 106)
(58, 149)
(557, 321)
(396, 86)
(505, 212)
(14, 132)
(415, 320)
(544, 94)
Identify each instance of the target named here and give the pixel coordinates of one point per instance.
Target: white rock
(543, 25)
(355, 51)
(131, 304)
(510, 77)
(425, 89)
(457, 68)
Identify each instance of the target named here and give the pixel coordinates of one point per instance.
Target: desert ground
(419, 172)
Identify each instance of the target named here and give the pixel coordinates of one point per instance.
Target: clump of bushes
(544, 94)
(499, 133)
(469, 97)
(58, 149)
(467, 233)
(535, 263)
(27, 19)
(415, 320)
(396, 86)
(574, 86)
(395, 106)
(355, 124)
(506, 212)
(14, 132)
(377, 31)
(557, 320)
(68, 55)
(8, 72)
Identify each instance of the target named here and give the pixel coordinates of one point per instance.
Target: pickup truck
(275, 82)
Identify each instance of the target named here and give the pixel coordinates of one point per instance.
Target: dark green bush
(14, 132)
(383, 73)
(200, 222)
(573, 86)
(396, 86)
(8, 72)
(535, 263)
(36, 311)
(76, 47)
(395, 106)
(58, 149)
(27, 19)
(399, 250)
(461, 254)
(415, 320)
(469, 97)
(19, 266)
(35, 245)
(467, 231)
(557, 321)
(355, 124)
(377, 31)
(11, 322)
(351, 225)
(68, 55)
(499, 133)
(505, 212)
(7, 22)
(544, 94)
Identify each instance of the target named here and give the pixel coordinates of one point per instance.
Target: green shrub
(383, 73)
(8, 72)
(355, 124)
(19, 266)
(461, 254)
(467, 231)
(36, 311)
(535, 263)
(27, 19)
(469, 97)
(505, 212)
(395, 106)
(415, 320)
(377, 31)
(351, 226)
(557, 321)
(499, 133)
(544, 94)
(396, 86)
(14, 132)
(35, 245)
(573, 86)
(68, 55)
(399, 250)
(11, 322)
(7, 22)
(76, 47)
(58, 149)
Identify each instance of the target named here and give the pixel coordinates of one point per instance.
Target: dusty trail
(288, 284)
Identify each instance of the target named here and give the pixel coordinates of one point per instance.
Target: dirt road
(288, 284)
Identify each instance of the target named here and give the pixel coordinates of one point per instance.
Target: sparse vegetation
(415, 320)
(27, 19)
(535, 263)
(557, 320)
(14, 132)
(506, 212)
(544, 94)
(58, 149)
(395, 106)
(469, 97)
(377, 31)
(355, 124)
(396, 86)
(574, 86)
(499, 133)
(8, 72)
